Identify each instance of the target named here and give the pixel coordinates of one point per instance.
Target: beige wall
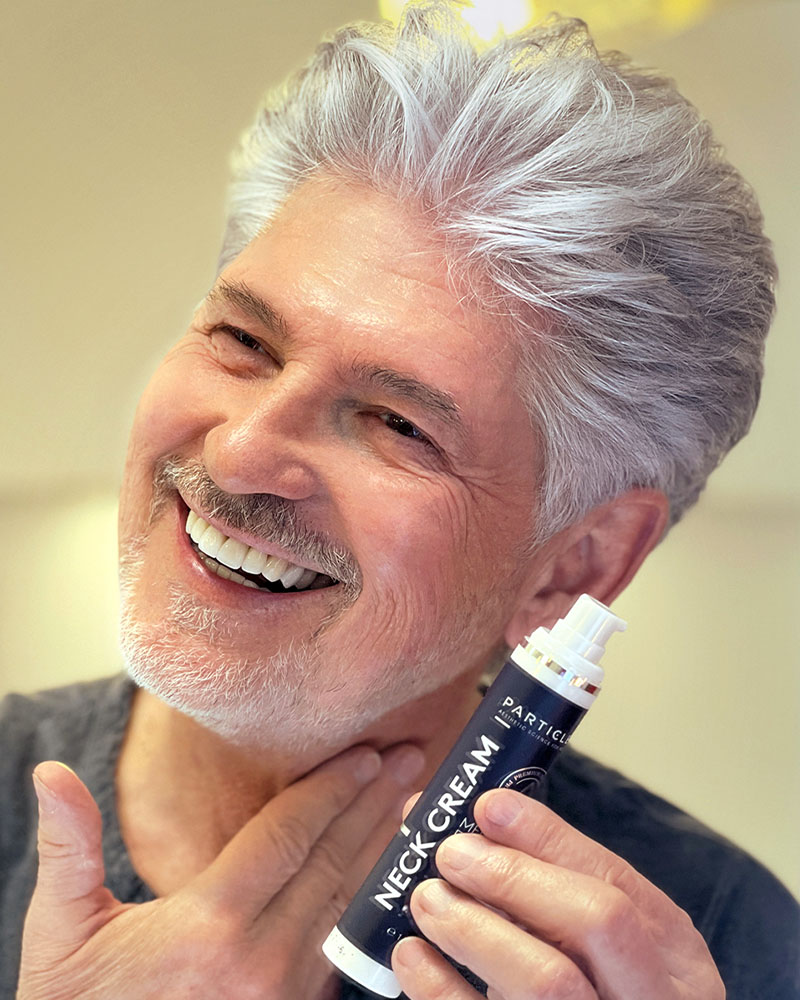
(119, 117)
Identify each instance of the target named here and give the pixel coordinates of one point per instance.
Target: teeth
(229, 554)
(232, 553)
(308, 577)
(292, 575)
(211, 541)
(274, 568)
(254, 561)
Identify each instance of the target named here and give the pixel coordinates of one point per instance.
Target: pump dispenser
(527, 715)
(566, 657)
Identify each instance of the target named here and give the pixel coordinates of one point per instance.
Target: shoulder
(79, 724)
(65, 724)
(59, 721)
(748, 918)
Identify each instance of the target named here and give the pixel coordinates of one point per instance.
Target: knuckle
(558, 979)
(686, 928)
(206, 932)
(326, 857)
(52, 850)
(507, 865)
(548, 832)
(610, 916)
(291, 843)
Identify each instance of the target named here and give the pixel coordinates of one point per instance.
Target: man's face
(332, 368)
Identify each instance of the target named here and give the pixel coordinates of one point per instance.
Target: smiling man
(484, 324)
(352, 498)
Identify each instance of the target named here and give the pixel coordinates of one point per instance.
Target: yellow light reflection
(489, 18)
(496, 16)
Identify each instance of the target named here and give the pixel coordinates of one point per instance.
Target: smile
(234, 560)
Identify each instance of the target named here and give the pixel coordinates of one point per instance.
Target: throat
(181, 794)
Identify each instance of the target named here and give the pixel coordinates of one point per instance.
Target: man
(483, 326)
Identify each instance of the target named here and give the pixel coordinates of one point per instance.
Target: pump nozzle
(587, 627)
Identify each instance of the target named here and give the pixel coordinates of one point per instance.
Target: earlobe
(598, 555)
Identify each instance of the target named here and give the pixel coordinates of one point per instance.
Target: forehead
(352, 270)
(353, 258)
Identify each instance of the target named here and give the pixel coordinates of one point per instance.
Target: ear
(597, 555)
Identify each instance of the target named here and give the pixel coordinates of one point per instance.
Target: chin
(306, 694)
(283, 702)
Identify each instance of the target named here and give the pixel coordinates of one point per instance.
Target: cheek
(166, 420)
(421, 545)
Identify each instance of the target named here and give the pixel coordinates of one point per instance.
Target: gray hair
(582, 201)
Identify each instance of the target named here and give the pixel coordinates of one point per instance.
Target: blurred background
(117, 122)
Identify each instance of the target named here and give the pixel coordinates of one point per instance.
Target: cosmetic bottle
(527, 715)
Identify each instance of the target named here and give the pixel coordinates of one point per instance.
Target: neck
(180, 784)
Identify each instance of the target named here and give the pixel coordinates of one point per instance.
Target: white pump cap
(587, 628)
(566, 658)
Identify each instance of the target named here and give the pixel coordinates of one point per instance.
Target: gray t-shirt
(751, 923)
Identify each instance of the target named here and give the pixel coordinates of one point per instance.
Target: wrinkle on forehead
(401, 242)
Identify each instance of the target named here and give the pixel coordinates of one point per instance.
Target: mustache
(263, 515)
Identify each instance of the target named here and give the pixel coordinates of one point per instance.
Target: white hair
(582, 201)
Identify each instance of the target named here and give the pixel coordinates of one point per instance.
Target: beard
(283, 701)
(269, 702)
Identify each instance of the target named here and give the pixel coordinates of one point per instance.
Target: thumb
(69, 902)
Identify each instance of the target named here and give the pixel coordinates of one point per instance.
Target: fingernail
(404, 764)
(434, 896)
(47, 798)
(409, 952)
(503, 807)
(460, 851)
(367, 766)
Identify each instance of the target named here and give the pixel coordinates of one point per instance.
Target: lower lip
(205, 577)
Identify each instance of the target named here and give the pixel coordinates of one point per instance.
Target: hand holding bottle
(576, 920)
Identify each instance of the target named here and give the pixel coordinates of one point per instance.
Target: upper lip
(260, 544)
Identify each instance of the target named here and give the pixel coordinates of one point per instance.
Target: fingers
(509, 818)
(510, 960)
(409, 804)
(272, 847)
(70, 835)
(586, 916)
(339, 846)
(69, 891)
(424, 975)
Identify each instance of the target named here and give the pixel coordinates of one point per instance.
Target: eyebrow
(409, 387)
(401, 384)
(238, 294)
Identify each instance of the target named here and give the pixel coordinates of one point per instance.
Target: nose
(267, 440)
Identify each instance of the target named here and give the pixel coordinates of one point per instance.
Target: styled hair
(582, 202)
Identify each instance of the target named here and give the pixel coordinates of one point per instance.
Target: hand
(250, 925)
(575, 920)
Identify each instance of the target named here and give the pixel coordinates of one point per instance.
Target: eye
(245, 339)
(404, 427)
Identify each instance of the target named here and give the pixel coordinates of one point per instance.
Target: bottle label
(510, 742)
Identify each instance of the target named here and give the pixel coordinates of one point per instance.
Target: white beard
(263, 703)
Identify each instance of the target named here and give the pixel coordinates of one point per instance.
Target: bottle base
(359, 966)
